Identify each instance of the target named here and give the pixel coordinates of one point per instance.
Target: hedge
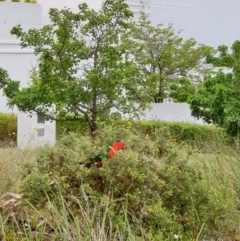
(196, 135)
(193, 134)
(199, 136)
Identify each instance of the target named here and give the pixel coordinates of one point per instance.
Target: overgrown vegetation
(159, 188)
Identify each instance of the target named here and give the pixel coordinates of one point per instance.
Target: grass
(66, 226)
(12, 161)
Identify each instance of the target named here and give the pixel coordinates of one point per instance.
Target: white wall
(32, 134)
(18, 62)
(176, 112)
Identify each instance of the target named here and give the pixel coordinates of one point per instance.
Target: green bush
(199, 136)
(193, 134)
(163, 189)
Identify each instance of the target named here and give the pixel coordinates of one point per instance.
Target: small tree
(164, 57)
(81, 65)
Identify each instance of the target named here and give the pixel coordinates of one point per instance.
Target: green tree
(182, 90)
(217, 100)
(165, 58)
(81, 65)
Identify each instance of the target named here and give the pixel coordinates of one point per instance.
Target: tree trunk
(159, 97)
(92, 125)
(93, 130)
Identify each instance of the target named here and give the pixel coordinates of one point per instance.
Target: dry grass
(11, 163)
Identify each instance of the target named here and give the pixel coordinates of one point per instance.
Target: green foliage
(157, 188)
(165, 58)
(58, 168)
(182, 90)
(66, 125)
(198, 136)
(8, 129)
(206, 138)
(211, 99)
(217, 98)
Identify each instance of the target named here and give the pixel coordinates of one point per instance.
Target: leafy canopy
(165, 58)
(82, 68)
(217, 100)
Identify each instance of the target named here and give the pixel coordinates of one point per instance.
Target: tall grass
(62, 224)
(12, 162)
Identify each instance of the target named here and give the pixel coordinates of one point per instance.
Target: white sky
(212, 22)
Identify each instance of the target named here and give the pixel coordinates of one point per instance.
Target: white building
(19, 62)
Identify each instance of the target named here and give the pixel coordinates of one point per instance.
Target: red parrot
(117, 146)
(97, 159)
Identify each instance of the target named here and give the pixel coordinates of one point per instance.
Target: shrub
(163, 191)
(206, 138)
(122, 181)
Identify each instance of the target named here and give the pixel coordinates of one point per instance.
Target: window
(40, 118)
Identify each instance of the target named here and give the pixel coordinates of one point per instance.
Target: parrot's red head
(118, 145)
